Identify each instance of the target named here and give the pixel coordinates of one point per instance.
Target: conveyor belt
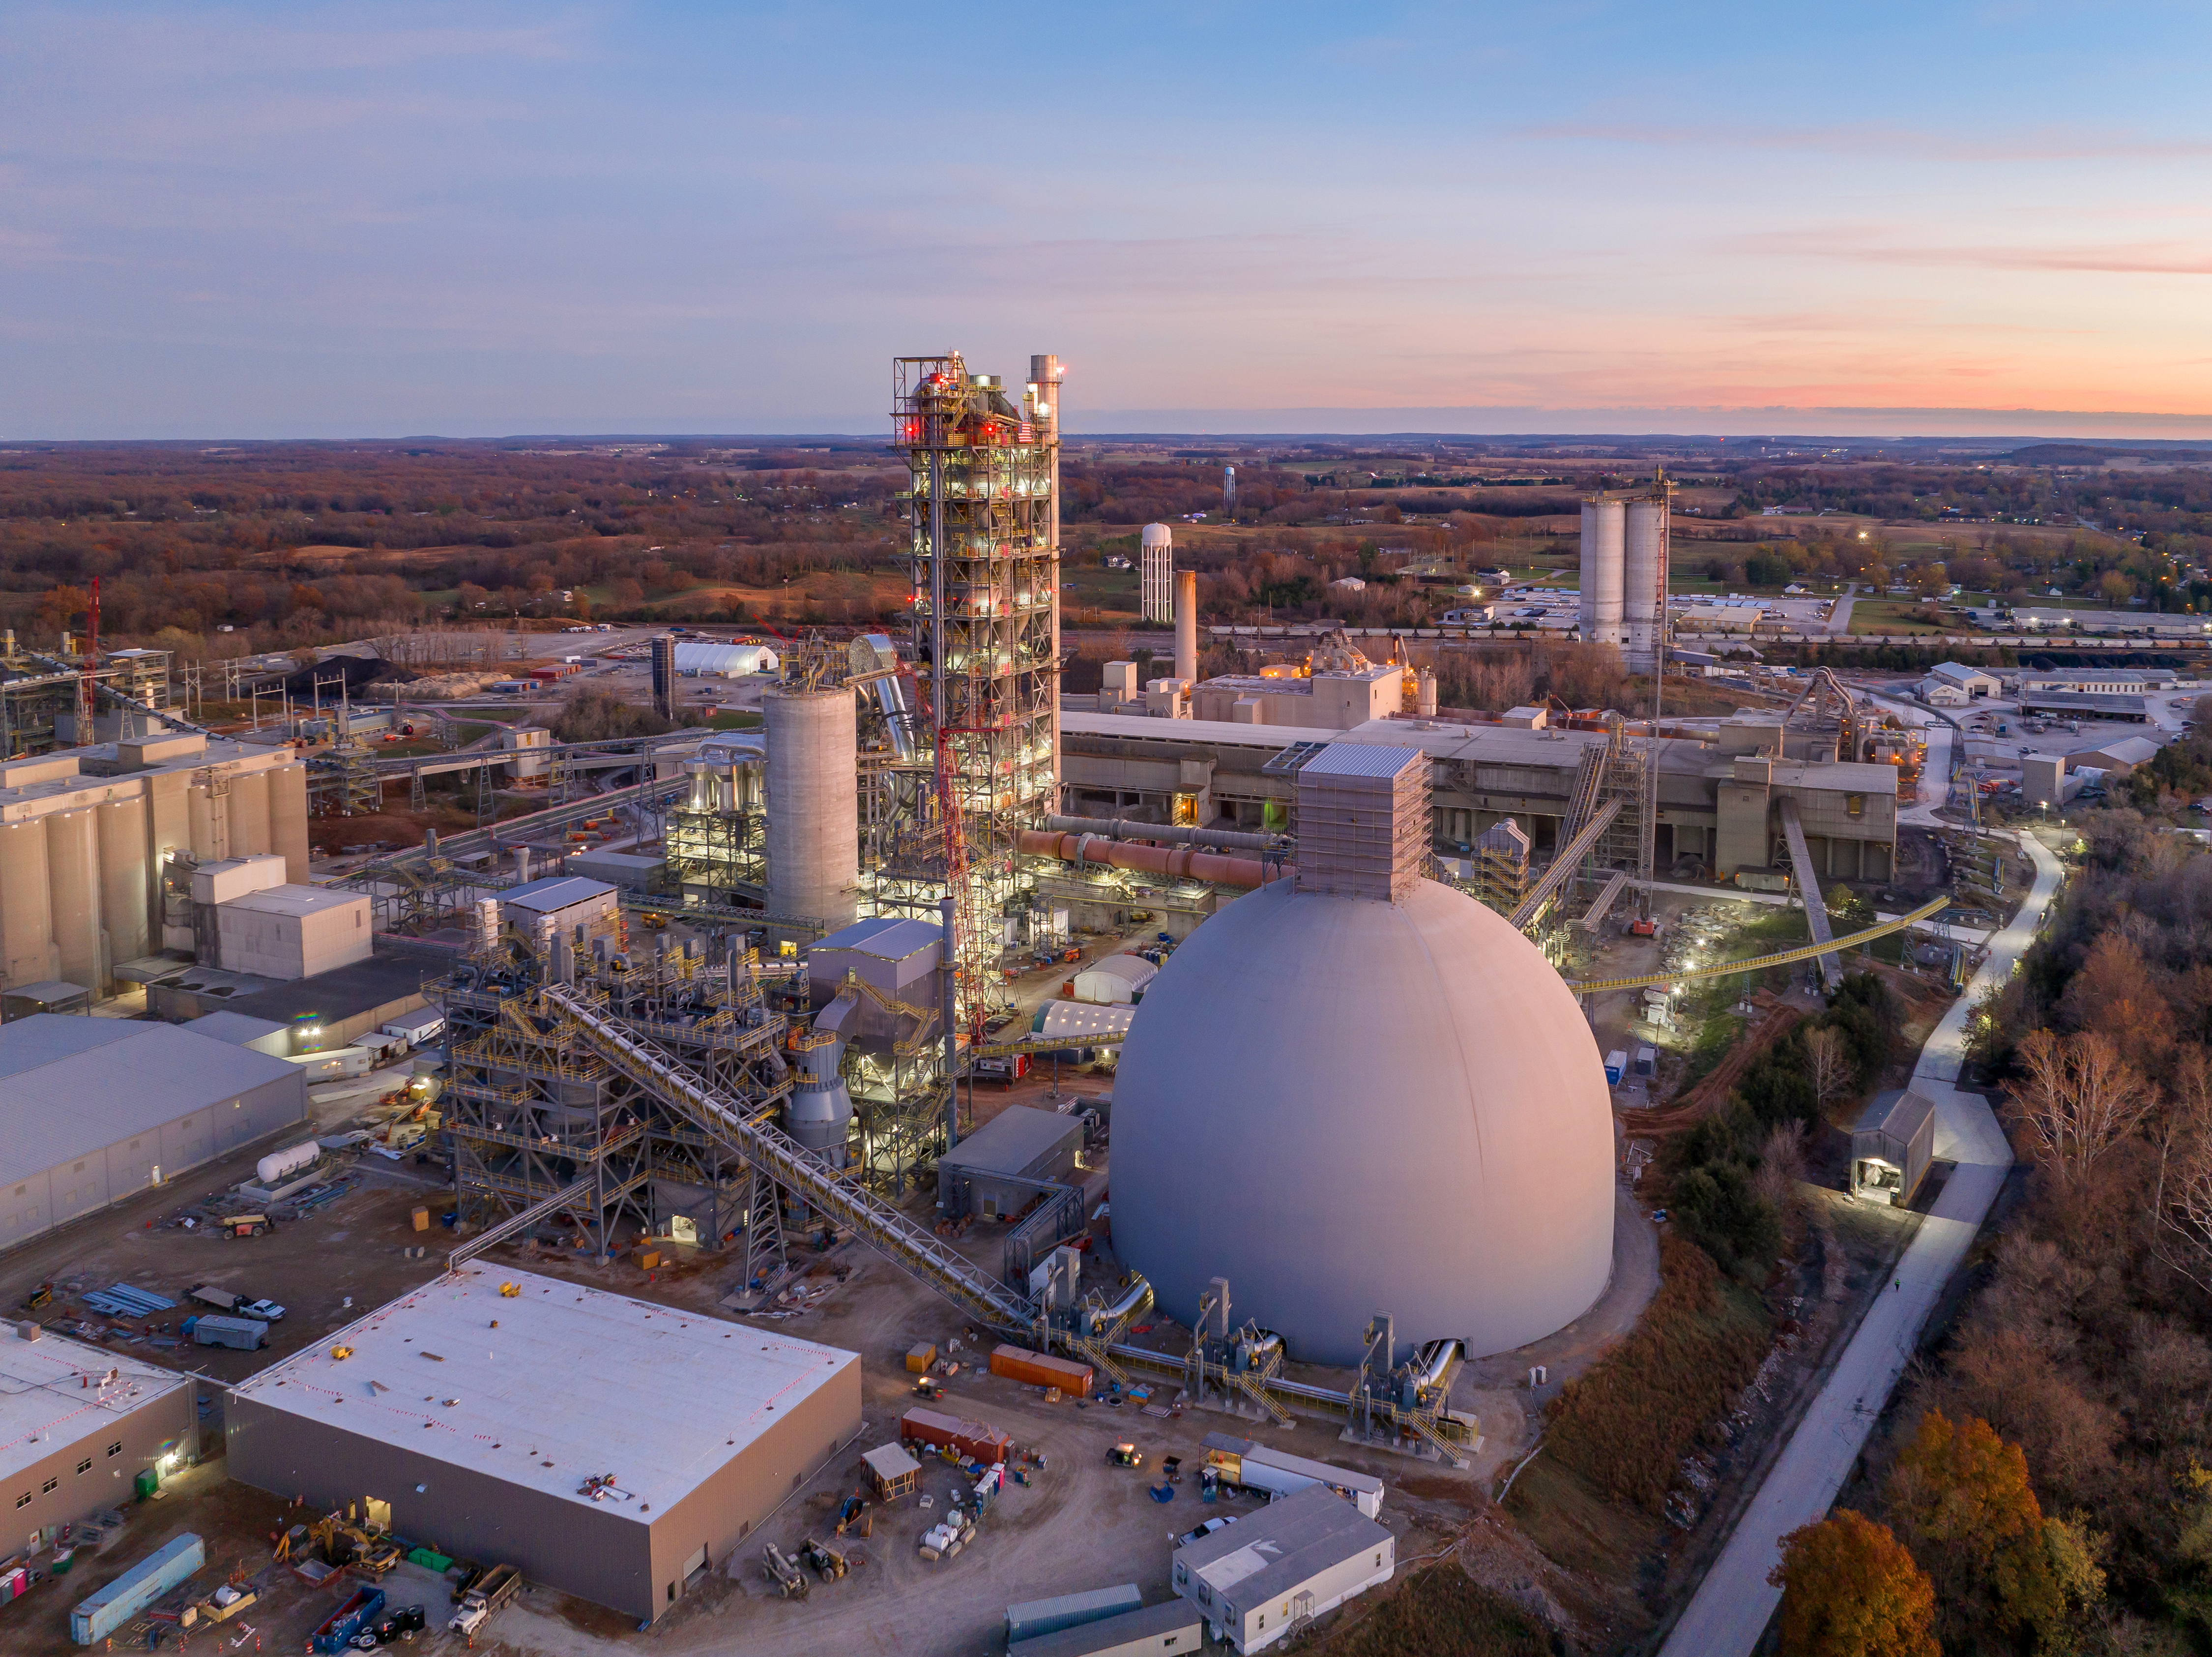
(1563, 866)
(1759, 963)
(1808, 889)
(792, 1167)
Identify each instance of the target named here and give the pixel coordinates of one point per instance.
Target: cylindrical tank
(287, 820)
(1186, 620)
(813, 803)
(1425, 694)
(249, 814)
(26, 926)
(1603, 531)
(125, 881)
(73, 877)
(274, 1165)
(210, 836)
(1644, 584)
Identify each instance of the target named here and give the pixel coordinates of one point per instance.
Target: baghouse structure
(1362, 1092)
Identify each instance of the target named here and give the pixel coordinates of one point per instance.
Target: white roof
(1130, 969)
(69, 1084)
(45, 1404)
(295, 900)
(713, 656)
(554, 893)
(1959, 673)
(560, 1392)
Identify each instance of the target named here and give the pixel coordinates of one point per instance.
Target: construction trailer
(1892, 1146)
(499, 1412)
(85, 1428)
(1265, 1578)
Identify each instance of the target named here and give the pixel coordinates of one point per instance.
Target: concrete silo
(1643, 582)
(1603, 522)
(813, 803)
(126, 889)
(26, 919)
(73, 877)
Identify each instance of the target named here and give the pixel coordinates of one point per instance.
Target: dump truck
(493, 1589)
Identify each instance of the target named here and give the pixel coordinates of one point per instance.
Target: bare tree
(2080, 1098)
(2181, 1203)
(1828, 1066)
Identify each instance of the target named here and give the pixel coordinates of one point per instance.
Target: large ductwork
(1123, 828)
(1180, 862)
(819, 1113)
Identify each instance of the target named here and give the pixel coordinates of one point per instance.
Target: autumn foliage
(1849, 1588)
(1625, 1425)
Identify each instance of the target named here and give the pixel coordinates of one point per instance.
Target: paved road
(1839, 618)
(1731, 1607)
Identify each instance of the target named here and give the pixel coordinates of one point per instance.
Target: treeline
(2048, 1485)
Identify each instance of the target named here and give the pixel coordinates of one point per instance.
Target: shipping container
(1616, 1062)
(1039, 1369)
(1035, 1617)
(99, 1614)
(918, 1358)
(971, 1439)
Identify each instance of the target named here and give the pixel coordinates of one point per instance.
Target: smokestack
(1186, 620)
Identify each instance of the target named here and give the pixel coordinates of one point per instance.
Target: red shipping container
(971, 1439)
(1041, 1369)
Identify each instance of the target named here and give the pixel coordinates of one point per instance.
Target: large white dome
(1346, 1106)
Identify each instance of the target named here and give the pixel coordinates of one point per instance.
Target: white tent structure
(713, 658)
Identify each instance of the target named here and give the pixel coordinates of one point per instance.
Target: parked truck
(246, 1334)
(493, 1589)
(99, 1614)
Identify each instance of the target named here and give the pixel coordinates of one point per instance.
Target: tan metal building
(78, 1425)
(610, 1448)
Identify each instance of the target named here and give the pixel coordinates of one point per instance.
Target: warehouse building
(610, 1448)
(80, 1428)
(94, 1110)
(1266, 1577)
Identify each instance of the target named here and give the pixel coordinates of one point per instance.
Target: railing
(792, 1167)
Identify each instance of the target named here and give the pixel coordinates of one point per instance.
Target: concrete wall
(69, 1189)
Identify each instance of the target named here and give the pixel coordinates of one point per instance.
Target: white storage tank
(73, 871)
(277, 1164)
(1600, 609)
(26, 926)
(813, 803)
(1644, 584)
(125, 890)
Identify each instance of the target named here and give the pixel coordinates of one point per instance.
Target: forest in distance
(220, 550)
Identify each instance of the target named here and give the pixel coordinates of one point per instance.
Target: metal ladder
(787, 1163)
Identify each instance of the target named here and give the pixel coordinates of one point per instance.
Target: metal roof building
(1008, 1161)
(79, 1423)
(612, 1449)
(94, 1110)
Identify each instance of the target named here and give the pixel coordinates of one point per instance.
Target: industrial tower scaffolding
(983, 538)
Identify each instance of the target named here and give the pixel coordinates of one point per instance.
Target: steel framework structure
(983, 546)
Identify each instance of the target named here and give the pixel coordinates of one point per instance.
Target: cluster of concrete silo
(1624, 576)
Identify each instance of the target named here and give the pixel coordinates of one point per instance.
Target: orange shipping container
(1040, 1369)
(971, 1439)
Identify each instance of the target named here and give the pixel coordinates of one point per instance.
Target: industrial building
(98, 846)
(1720, 784)
(1264, 1578)
(608, 1448)
(1018, 1155)
(83, 1428)
(1974, 681)
(93, 1111)
(1368, 1050)
(1172, 1629)
(1892, 1146)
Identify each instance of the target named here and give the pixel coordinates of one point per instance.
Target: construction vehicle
(824, 1560)
(244, 1225)
(790, 1580)
(1124, 1455)
(493, 1589)
(42, 1295)
(342, 1542)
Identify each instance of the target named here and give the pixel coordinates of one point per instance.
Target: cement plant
(1124, 1170)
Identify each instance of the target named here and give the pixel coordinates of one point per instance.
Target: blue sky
(466, 220)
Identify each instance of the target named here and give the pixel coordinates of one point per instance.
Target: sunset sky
(470, 220)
